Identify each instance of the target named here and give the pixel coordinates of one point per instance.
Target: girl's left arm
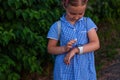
(93, 44)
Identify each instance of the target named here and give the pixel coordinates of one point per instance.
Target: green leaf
(13, 76)
(10, 2)
(10, 15)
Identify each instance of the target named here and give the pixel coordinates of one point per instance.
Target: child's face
(73, 13)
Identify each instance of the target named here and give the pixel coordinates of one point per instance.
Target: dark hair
(74, 2)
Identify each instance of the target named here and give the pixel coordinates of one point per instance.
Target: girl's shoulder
(87, 18)
(54, 25)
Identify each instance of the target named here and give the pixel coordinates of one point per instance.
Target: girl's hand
(70, 55)
(69, 45)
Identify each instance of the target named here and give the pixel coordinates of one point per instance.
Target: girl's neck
(71, 22)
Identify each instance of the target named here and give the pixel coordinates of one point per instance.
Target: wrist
(76, 50)
(64, 48)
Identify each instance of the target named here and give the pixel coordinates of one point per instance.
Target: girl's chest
(77, 32)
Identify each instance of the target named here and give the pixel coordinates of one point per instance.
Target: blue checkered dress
(81, 67)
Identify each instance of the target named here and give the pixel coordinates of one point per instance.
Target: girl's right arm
(54, 49)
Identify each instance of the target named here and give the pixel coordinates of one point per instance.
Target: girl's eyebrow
(80, 13)
(73, 13)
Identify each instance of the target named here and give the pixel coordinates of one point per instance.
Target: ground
(111, 70)
(111, 73)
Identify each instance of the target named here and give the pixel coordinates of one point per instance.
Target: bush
(23, 29)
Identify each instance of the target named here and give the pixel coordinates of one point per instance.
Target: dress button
(74, 29)
(75, 39)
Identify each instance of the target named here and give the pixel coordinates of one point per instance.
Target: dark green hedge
(23, 28)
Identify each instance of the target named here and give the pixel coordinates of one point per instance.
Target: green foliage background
(23, 29)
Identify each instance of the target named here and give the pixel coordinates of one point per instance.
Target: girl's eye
(80, 13)
(73, 13)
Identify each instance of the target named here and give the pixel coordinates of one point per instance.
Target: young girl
(78, 41)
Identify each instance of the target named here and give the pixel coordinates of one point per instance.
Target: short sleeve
(91, 25)
(53, 32)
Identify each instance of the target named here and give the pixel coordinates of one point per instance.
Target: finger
(71, 42)
(66, 61)
(69, 46)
